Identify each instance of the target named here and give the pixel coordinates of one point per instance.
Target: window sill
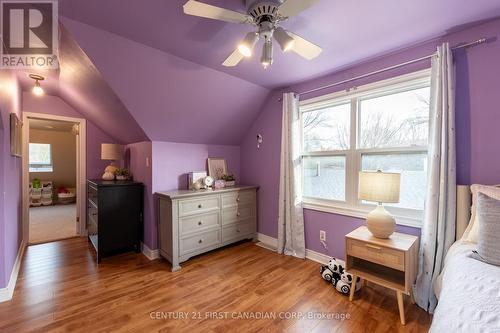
(359, 213)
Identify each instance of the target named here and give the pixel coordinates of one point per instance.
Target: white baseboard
(7, 292)
(150, 254)
(271, 243)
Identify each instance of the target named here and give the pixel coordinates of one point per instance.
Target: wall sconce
(37, 89)
(259, 140)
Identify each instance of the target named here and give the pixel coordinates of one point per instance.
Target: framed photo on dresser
(217, 167)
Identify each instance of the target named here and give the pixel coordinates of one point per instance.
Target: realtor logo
(29, 33)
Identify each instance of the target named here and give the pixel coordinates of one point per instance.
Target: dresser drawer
(198, 205)
(199, 223)
(236, 214)
(238, 198)
(235, 231)
(377, 254)
(200, 241)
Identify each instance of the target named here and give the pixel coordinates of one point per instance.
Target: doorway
(53, 177)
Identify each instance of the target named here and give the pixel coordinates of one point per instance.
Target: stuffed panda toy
(332, 272)
(344, 285)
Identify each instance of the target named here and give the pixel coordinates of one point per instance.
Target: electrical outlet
(322, 236)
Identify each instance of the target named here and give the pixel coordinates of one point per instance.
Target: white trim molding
(271, 243)
(150, 254)
(81, 170)
(7, 292)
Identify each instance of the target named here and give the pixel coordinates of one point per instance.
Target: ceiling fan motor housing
(263, 11)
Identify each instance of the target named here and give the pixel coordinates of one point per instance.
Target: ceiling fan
(266, 16)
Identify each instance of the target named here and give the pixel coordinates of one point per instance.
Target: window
(40, 155)
(382, 126)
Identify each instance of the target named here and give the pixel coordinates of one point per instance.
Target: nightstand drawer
(377, 254)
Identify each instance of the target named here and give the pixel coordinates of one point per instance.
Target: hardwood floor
(60, 288)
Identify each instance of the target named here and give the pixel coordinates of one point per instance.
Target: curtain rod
(461, 46)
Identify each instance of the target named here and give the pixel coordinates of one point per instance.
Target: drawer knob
(238, 199)
(238, 214)
(199, 223)
(199, 206)
(200, 241)
(238, 230)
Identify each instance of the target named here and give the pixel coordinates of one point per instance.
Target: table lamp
(111, 152)
(379, 187)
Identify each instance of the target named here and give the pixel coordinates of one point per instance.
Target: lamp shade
(111, 151)
(379, 186)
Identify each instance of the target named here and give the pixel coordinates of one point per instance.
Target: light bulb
(248, 43)
(267, 54)
(284, 39)
(37, 90)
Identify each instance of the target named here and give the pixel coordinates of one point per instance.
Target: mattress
(469, 293)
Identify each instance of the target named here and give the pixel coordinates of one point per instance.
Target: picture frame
(15, 135)
(217, 167)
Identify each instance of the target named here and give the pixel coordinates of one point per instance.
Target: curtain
(438, 229)
(291, 239)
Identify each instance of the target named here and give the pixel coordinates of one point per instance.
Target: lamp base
(380, 222)
(109, 172)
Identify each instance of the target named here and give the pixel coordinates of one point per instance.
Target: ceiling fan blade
(304, 48)
(233, 59)
(201, 9)
(291, 8)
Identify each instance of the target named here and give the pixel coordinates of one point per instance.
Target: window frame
(37, 166)
(353, 156)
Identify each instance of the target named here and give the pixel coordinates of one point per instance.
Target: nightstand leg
(401, 307)
(353, 287)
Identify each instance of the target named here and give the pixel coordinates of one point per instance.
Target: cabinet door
(120, 217)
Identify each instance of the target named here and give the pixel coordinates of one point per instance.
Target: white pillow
(471, 234)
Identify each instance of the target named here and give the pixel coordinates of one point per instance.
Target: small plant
(122, 172)
(228, 178)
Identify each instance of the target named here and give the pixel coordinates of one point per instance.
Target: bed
(468, 291)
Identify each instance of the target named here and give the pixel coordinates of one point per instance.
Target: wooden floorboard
(60, 288)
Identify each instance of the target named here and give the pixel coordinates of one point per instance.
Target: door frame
(81, 170)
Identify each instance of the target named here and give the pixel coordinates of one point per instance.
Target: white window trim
(352, 206)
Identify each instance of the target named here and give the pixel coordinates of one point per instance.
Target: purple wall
(478, 120)
(95, 136)
(172, 161)
(169, 164)
(10, 179)
(136, 161)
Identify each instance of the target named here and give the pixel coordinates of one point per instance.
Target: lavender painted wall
(95, 136)
(10, 179)
(139, 162)
(169, 164)
(172, 161)
(478, 119)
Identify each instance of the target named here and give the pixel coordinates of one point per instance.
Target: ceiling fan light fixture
(284, 39)
(247, 45)
(37, 89)
(267, 54)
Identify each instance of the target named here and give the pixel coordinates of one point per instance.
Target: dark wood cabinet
(114, 216)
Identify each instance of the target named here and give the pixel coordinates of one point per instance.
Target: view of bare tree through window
(397, 120)
(327, 129)
(394, 121)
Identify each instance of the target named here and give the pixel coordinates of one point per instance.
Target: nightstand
(391, 263)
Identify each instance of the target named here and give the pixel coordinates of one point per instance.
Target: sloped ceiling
(81, 85)
(172, 99)
(348, 31)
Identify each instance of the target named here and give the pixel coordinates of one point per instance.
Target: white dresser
(193, 222)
